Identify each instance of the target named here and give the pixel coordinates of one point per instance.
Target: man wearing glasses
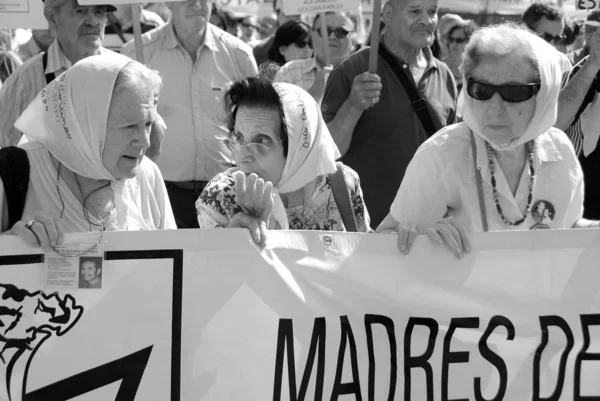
(579, 117)
(310, 74)
(372, 117)
(548, 21)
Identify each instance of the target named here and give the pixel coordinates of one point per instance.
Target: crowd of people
(461, 129)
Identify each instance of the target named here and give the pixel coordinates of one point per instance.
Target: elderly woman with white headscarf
(89, 130)
(504, 167)
(286, 166)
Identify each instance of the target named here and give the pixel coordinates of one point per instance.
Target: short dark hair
(96, 260)
(255, 93)
(290, 32)
(537, 11)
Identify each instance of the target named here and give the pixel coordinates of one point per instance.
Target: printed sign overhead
(205, 315)
(297, 7)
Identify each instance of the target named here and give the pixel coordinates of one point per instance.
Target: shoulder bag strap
(484, 220)
(419, 103)
(14, 172)
(50, 76)
(341, 195)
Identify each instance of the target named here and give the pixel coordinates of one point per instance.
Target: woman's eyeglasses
(339, 32)
(235, 143)
(509, 93)
(303, 43)
(556, 40)
(459, 41)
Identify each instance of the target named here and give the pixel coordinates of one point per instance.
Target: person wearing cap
(198, 63)
(79, 33)
(547, 20)
(589, 27)
(579, 116)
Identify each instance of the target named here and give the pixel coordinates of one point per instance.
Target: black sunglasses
(303, 43)
(557, 40)
(339, 32)
(509, 93)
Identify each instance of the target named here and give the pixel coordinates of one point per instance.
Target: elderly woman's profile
(89, 130)
(486, 173)
(286, 170)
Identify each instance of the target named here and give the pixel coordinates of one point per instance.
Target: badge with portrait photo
(543, 213)
(74, 266)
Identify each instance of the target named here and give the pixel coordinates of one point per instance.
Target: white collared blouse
(441, 181)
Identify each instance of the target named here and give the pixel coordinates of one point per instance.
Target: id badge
(74, 266)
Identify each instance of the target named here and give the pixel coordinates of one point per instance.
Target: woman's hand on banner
(255, 197)
(450, 232)
(40, 230)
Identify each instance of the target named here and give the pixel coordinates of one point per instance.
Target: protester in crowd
(9, 62)
(120, 28)
(371, 117)
(267, 25)
(89, 128)
(286, 161)
(457, 37)
(547, 20)
(292, 41)
(344, 30)
(505, 167)
(79, 34)
(198, 62)
(590, 26)
(249, 29)
(445, 22)
(579, 117)
(40, 41)
(261, 49)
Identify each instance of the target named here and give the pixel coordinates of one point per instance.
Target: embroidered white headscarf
(311, 149)
(69, 117)
(546, 100)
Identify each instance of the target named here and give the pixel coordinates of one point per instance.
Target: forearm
(342, 126)
(585, 223)
(572, 95)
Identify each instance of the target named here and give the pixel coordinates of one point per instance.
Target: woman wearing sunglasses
(292, 42)
(344, 29)
(286, 158)
(505, 165)
(457, 37)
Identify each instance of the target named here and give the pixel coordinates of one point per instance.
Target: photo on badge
(90, 272)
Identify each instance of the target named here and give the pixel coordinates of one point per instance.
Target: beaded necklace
(531, 183)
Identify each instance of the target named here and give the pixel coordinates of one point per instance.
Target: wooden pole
(373, 53)
(325, 36)
(137, 33)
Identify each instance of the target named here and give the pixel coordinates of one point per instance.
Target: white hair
(499, 41)
(137, 77)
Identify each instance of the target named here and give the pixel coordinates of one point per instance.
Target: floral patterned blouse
(217, 205)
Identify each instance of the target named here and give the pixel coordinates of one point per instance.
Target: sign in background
(205, 315)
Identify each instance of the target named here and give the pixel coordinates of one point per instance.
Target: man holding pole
(79, 33)
(198, 63)
(379, 118)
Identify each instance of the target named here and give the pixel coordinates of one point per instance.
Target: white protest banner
(22, 14)
(205, 315)
(296, 7)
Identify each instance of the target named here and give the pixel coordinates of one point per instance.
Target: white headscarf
(546, 100)
(311, 149)
(69, 117)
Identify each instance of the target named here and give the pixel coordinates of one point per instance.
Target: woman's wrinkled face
(130, 119)
(261, 126)
(501, 121)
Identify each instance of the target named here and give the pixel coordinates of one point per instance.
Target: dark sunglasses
(303, 43)
(557, 40)
(509, 93)
(339, 32)
(460, 41)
